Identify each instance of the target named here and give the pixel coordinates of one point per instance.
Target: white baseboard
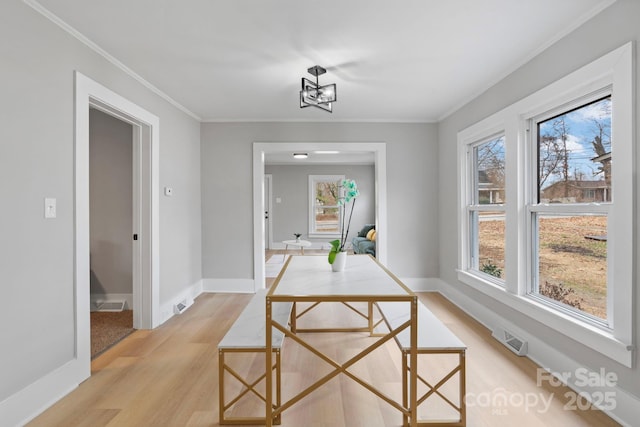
(621, 406)
(187, 296)
(241, 286)
(127, 298)
(23, 406)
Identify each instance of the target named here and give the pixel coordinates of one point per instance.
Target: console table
(297, 243)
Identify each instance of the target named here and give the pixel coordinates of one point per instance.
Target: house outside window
(324, 210)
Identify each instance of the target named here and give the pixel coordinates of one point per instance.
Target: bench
(433, 338)
(248, 335)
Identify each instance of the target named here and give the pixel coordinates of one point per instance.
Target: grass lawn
(572, 264)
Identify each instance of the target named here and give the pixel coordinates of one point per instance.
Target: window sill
(598, 339)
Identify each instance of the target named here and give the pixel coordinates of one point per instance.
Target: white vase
(340, 262)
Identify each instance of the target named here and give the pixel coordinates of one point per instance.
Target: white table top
(312, 276)
(301, 243)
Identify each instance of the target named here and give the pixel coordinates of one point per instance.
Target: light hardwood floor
(169, 377)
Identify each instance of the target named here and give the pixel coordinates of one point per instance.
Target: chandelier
(312, 94)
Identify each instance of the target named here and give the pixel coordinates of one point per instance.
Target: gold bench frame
(433, 389)
(249, 387)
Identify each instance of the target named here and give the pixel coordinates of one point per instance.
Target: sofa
(365, 241)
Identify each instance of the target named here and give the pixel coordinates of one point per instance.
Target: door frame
(90, 94)
(268, 201)
(379, 150)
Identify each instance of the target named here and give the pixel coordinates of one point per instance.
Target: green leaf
(335, 244)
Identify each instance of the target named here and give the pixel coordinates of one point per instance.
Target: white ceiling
(403, 60)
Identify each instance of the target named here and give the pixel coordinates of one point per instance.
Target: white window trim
(475, 206)
(614, 69)
(312, 217)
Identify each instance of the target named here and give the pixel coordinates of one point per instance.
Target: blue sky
(581, 131)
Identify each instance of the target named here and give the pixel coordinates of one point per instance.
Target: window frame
(474, 207)
(313, 179)
(535, 208)
(615, 71)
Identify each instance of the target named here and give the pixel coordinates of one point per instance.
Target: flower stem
(348, 223)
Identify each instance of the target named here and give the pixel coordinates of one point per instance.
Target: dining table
(310, 279)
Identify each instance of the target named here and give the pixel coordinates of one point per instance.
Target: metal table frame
(314, 282)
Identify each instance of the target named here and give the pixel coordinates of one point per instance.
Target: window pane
(574, 155)
(489, 175)
(327, 220)
(572, 261)
(490, 243)
(327, 193)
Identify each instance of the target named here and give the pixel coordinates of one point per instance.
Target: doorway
(145, 223)
(111, 229)
(380, 178)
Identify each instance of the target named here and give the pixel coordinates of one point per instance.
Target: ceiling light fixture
(300, 155)
(312, 94)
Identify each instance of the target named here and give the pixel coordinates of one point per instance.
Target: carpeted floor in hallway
(107, 328)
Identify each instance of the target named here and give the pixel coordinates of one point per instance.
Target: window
(542, 203)
(573, 154)
(324, 210)
(486, 211)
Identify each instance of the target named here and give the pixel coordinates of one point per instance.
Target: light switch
(168, 191)
(50, 207)
(278, 200)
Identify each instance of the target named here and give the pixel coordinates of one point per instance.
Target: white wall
(412, 191)
(111, 204)
(37, 161)
(610, 29)
(291, 185)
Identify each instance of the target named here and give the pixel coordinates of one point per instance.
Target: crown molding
(106, 55)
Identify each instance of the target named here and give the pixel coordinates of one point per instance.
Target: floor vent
(512, 342)
(110, 306)
(180, 307)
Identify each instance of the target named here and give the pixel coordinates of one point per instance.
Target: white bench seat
(249, 331)
(248, 335)
(433, 338)
(433, 334)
